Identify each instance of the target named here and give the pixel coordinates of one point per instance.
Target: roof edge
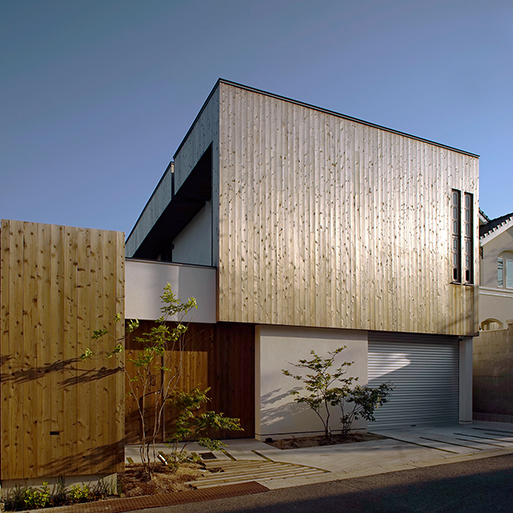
(333, 113)
(219, 80)
(168, 168)
(497, 230)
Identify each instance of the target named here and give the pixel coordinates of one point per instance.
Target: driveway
(250, 460)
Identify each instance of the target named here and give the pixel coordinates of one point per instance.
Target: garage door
(425, 372)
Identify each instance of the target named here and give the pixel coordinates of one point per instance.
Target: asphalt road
(480, 486)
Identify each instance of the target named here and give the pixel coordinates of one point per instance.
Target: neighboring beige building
(493, 349)
(496, 284)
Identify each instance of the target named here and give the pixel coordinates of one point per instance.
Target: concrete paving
(476, 486)
(401, 450)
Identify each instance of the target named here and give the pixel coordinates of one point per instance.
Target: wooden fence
(59, 415)
(220, 356)
(493, 375)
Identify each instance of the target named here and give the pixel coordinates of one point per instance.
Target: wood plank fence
(59, 415)
(220, 356)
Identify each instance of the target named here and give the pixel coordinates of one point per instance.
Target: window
(505, 271)
(468, 239)
(456, 236)
(462, 237)
(500, 272)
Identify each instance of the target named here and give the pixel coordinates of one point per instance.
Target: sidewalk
(252, 467)
(246, 460)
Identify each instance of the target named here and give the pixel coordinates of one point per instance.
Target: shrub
(364, 402)
(330, 388)
(189, 424)
(79, 493)
(36, 498)
(21, 498)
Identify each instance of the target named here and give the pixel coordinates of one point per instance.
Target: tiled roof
(494, 224)
(484, 216)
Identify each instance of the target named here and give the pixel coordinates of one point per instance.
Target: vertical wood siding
(219, 356)
(156, 205)
(60, 416)
(325, 221)
(204, 132)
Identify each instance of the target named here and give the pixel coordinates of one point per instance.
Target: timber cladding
(331, 222)
(220, 356)
(60, 415)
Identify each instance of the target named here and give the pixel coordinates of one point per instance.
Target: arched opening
(491, 324)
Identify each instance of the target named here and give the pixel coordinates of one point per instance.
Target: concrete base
(493, 417)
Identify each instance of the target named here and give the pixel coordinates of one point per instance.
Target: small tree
(319, 383)
(158, 346)
(332, 389)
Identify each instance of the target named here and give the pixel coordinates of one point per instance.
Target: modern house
(295, 228)
(493, 357)
(300, 228)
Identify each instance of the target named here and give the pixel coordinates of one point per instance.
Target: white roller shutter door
(425, 372)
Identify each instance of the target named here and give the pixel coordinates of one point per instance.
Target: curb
(162, 500)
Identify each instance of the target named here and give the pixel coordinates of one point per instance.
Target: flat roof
(319, 109)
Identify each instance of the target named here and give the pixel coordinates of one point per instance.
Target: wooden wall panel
(60, 416)
(232, 375)
(134, 387)
(219, 356)
(203, 132)
(331, 222)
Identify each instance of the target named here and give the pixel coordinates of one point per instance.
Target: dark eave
(183, 207)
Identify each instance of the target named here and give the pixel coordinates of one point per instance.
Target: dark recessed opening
(207, 456)
(188, 200)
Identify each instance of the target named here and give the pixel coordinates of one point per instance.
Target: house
(317, 230)
(496, 285)
(493, 357)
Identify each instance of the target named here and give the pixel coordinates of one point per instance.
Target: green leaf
(86, 354)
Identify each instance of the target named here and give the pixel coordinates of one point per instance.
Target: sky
(96, 95)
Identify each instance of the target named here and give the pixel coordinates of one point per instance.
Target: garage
(424, 370)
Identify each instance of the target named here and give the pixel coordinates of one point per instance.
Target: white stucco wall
(277, 415)
(495, 303)
(492, 246)
(193, 245)
(145, 282)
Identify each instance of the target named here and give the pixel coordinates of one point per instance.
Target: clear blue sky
(95, 96)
